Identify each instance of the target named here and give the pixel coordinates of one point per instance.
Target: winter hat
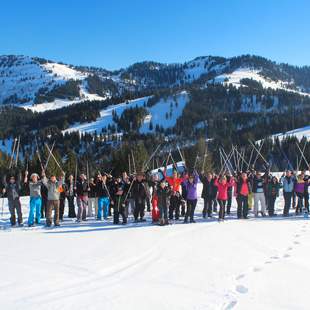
(34, 175)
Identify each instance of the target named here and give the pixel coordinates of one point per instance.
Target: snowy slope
(156, 114)
(255, 264)
(22, 77)
(236, 76)
(299, 133)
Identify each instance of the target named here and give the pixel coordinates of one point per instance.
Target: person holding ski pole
(163, 193)
(243, 189)
(222, 196)
(13, 190)
(139, 194)
(104, 197)
(35, 198)
(54, 187)
(287, 181)
(299, 189)
(273, 189)
(191, 197)
(70, 194)
(82, 190)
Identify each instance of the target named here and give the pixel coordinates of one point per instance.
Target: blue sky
(117, 33)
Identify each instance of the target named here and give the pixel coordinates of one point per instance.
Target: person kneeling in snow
(35, 198)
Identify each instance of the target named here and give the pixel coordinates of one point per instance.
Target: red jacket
(175, 183)
(223, 188)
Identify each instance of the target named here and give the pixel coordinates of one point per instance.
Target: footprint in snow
(297, 236)
(290, 248)
(241, 276)
(286, 255)
(241, 289)
(296, 242)
(257, 269)
(231, 305)
(268, 262)
(274, 257)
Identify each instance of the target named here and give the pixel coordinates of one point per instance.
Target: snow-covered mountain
(42, 85)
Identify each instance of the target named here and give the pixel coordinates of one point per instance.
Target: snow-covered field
(253, 264)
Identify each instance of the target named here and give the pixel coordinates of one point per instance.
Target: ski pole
(13, 152)
(38, 154)
(17, 151)
(2, 208)
(133, 162)
(49, 155)
(251, 155)
(54, 158)
(259, 152)
(302, 155)
(151, 157)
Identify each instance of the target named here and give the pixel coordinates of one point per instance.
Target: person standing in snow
(104, 197)
(92, 198)
(35, 186)
(299, 189)
(12, 190)
(82, 190)
(175, 198)
(163, 193)
(259, 187)
(191, 196)
(222, 195)
(273, 189)
(70, 194)
(139, 193)
(54, 187)
(119, 193)
(287, 181)
(207, 193)
(243, 189)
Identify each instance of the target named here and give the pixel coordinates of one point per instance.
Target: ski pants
(92, 204)
(222, 204)
(82, 202)
(214, 205)
(120, 209)
(103, 206)
(307, 201)
(14, 205)
(243, 206)
(163, 212)
(207, 207)
(259, 197)
(271, 204)
(190, 210)
(61, 208)
(71, 207)
(300, 203)
(139, 209)
(287, 202)
(174, 207)
(229, 201)
(52, 205)
(43, 207)
(35, 210)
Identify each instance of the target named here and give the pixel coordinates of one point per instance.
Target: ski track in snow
(254, 264)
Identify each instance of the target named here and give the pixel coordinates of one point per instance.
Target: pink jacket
(223, 188)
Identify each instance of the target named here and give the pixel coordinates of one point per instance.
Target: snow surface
(255, 264)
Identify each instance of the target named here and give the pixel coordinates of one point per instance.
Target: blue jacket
(288, 184)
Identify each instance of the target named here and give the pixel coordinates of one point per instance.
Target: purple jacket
(191, 188)
(299, 187)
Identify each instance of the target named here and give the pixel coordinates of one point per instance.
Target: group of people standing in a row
(168, 197)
